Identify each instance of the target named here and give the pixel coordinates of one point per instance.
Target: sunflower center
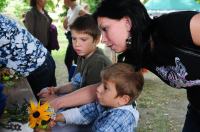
(36, 114)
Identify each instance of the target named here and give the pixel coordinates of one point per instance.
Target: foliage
(198, 1)
(50, 5)
(3, 3)
(8, 77)
(18, 7)
(64, 13)
(92, 4)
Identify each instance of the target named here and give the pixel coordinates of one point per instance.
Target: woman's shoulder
(174, 27)
(195, 29)
(169, 19)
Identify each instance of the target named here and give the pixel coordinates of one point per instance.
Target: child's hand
(52, 123)
(58, 118)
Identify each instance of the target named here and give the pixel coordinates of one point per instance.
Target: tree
(92, 4)
(3, 4)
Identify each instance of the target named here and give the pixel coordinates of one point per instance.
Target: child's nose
(76, 43)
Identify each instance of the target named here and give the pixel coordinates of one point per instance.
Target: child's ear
(124, 99)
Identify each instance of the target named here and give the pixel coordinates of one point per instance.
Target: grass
(61, 69)
(162, 108)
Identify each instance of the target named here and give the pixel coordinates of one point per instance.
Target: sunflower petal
(45, 106)
(33, 107)
(39, 121)
(32, 122)
(44, 114)
(45, 117)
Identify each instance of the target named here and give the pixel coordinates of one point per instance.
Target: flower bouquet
(8, 77)
(36, 115)
(40, 116)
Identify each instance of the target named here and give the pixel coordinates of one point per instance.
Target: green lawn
(61, 69)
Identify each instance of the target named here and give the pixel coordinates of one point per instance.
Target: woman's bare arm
(82, 12)
(46, 92)
(195, 29)
(65, 23)
(79, 97)
(66, 88)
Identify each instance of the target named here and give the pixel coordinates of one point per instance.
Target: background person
(73, 12)
(38, 22)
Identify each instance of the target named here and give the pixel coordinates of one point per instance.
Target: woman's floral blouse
(19, 50)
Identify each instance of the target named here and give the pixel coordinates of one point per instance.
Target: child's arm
(79, 116)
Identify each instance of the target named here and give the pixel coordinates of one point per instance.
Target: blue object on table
(71, 72)
(2, 99)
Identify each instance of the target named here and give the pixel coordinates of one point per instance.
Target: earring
(129, 42)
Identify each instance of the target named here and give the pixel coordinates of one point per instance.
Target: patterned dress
(19, 50)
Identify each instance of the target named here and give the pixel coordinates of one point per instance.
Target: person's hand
(48, 98)
(52, 123)
(45, 92)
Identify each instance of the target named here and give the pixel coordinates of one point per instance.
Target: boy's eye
(83, 39)
(105, 88)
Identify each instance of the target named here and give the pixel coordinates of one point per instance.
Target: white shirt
(72, 14)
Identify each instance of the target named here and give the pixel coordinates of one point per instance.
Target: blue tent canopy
(172, 5)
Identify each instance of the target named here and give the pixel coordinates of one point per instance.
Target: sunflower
(38, 113)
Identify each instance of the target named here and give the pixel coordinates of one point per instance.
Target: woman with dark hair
(38, 22)
(169, 46)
